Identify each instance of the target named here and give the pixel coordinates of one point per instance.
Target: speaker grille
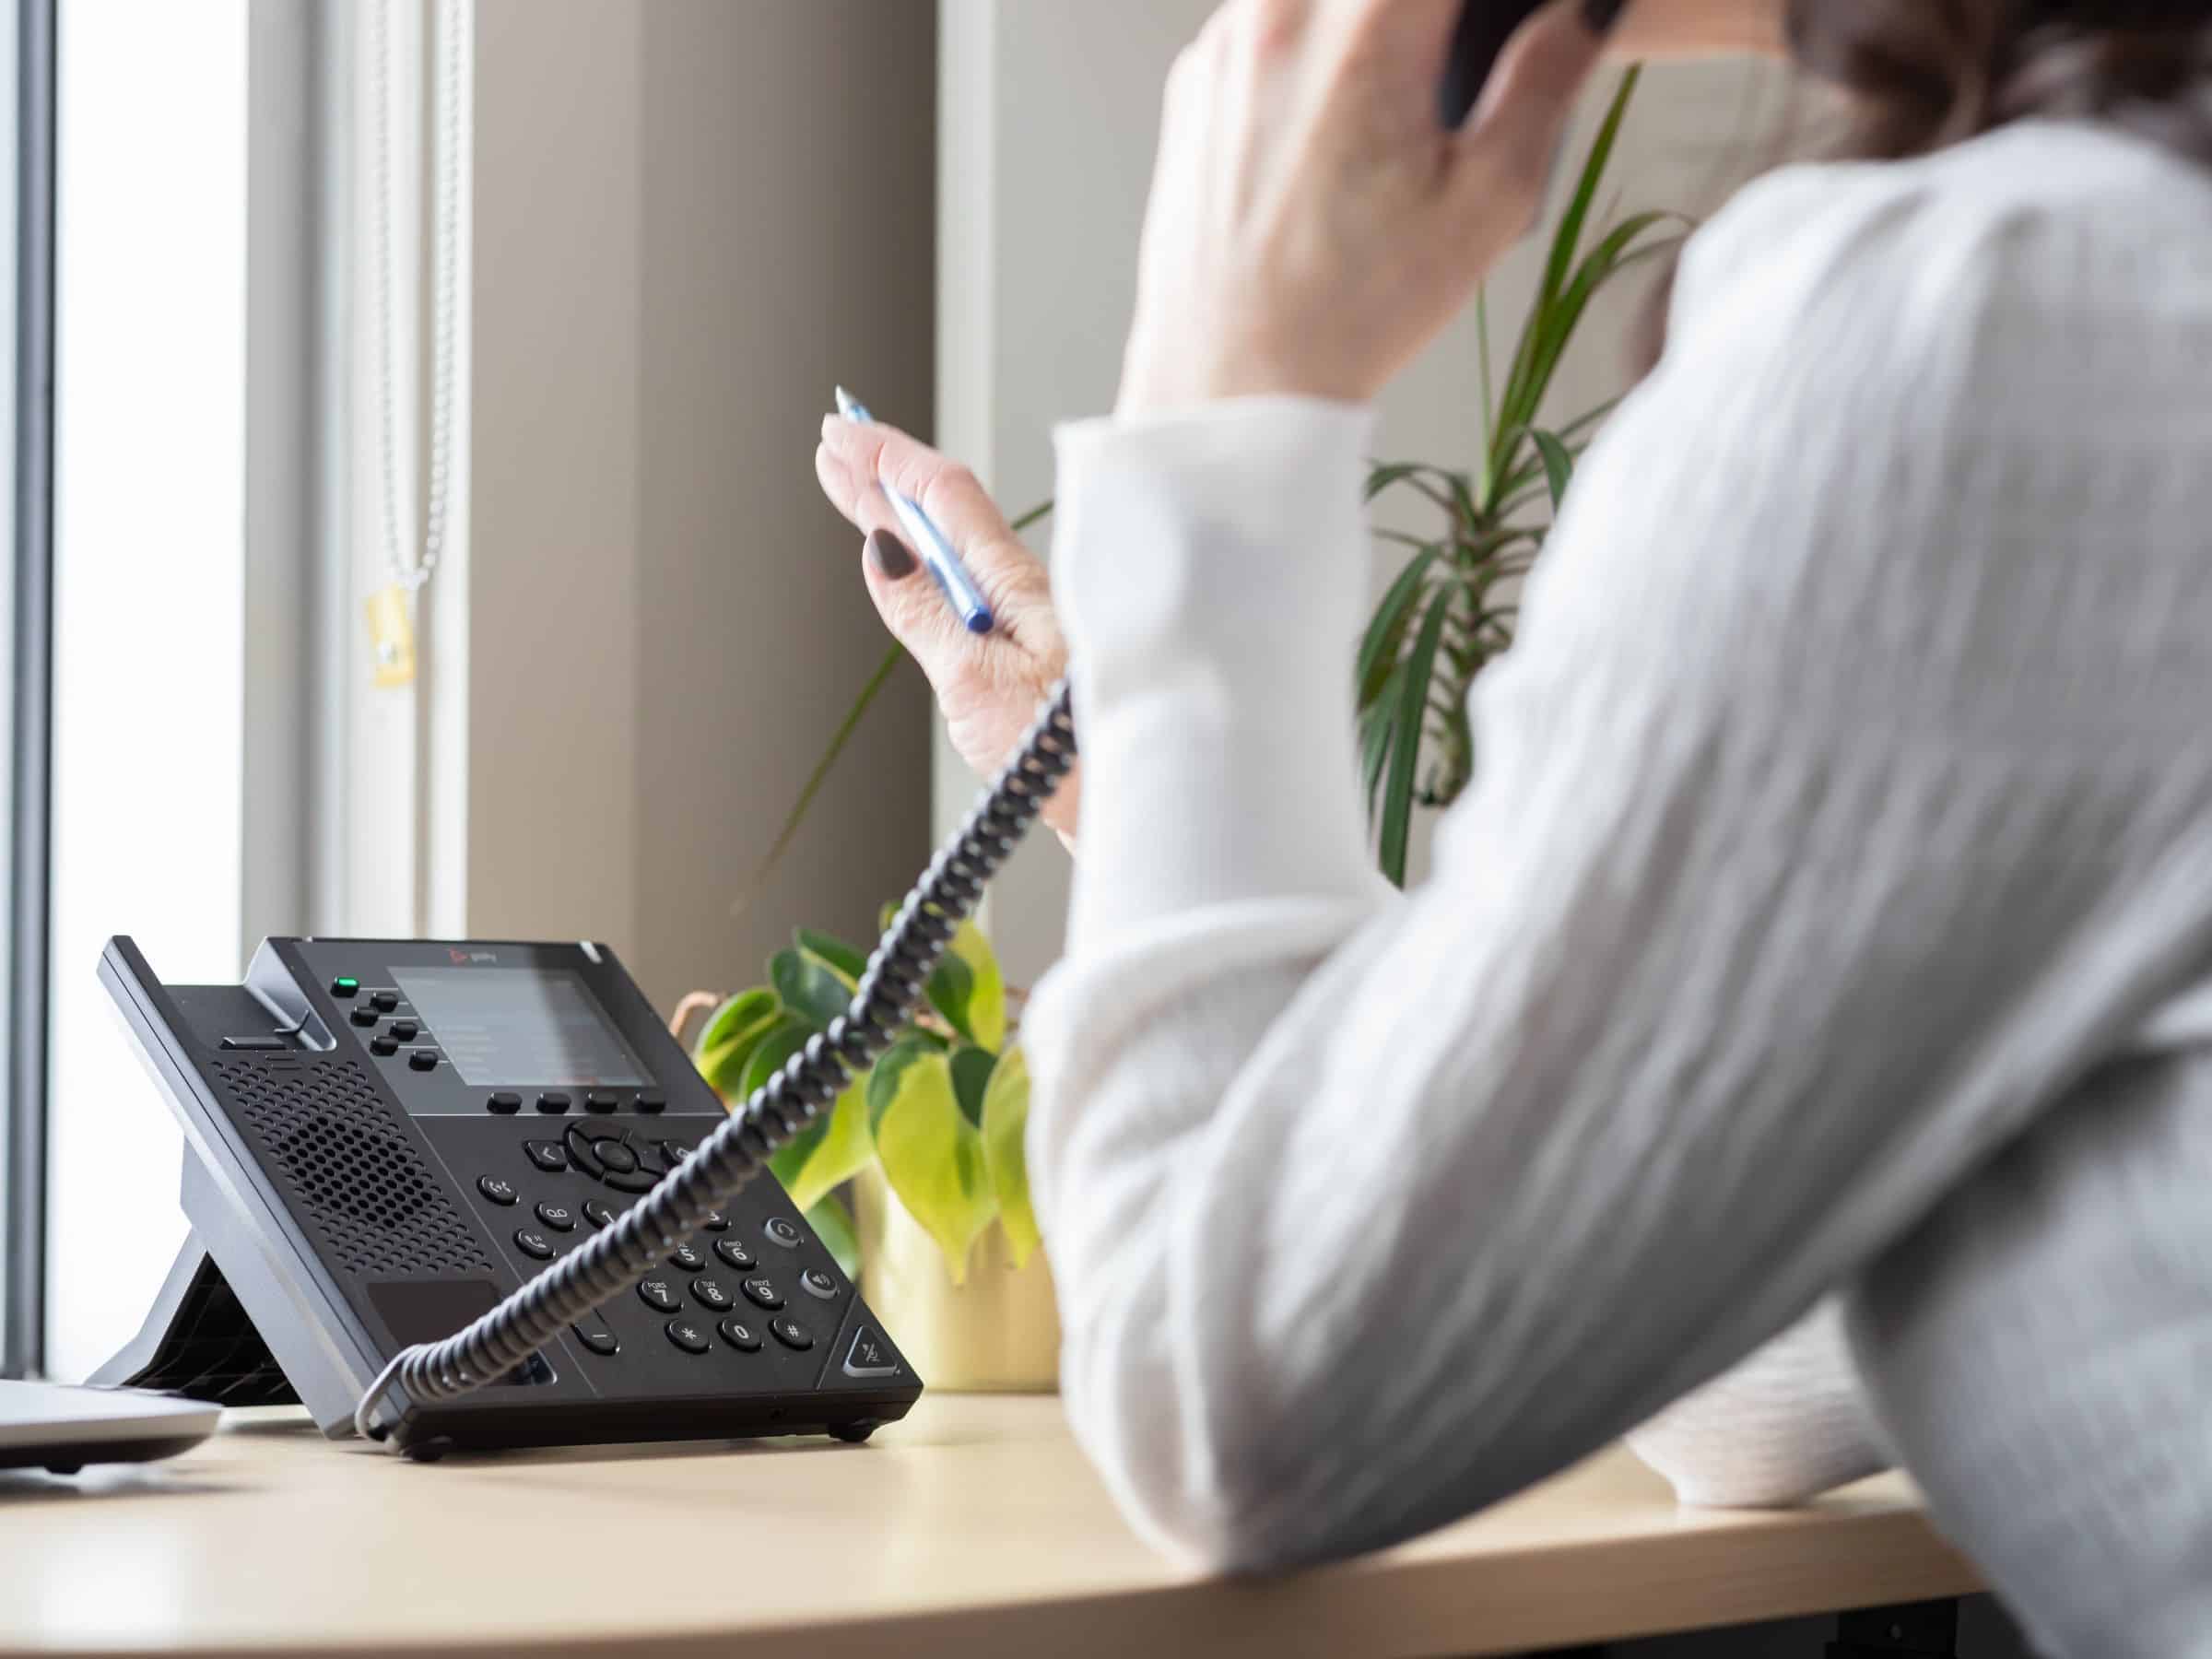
(355, 1175)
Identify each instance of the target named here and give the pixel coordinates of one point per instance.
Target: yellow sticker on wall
(391, 637)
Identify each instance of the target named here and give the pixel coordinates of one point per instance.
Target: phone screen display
(503, 1027)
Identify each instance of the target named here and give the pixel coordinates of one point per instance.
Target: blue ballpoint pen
(930, 543)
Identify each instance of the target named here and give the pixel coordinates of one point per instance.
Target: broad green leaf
(1006, 1123)
(933, 1156)
(883, 1080)
(968, 990)
(832, 1224)
(808, 986)
(1386, 634)
(840, 956)
(724, 1068)
(971, 1069)
(1558, 465)
(1405, 753)
(1418, 473)
(779, 1043)
(830, 1152)
(745, 1008)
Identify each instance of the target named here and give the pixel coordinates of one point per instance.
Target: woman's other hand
(988, 686)
(1313, 223)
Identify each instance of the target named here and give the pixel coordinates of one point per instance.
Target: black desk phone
(385, 1139)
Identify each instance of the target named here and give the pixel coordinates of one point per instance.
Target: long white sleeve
(1817, 846)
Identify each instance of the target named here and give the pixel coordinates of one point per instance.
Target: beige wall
(692, 219)
(1049, 109)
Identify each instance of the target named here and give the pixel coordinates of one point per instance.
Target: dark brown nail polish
(1601, 15)
(893, 559)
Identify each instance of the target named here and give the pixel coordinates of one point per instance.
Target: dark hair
(1928, 73)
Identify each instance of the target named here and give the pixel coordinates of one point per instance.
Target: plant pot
(996, 1333)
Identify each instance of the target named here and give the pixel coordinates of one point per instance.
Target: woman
(1824, 914)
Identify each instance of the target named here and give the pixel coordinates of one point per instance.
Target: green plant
(1453, 607)
(941, 1112)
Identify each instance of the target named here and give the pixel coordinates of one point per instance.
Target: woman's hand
(1312, 224)
(988, 686)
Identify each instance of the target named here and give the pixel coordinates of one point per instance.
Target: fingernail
(893, 559)
(1601, 15)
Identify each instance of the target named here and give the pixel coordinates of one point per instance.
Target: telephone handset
(1485, 27)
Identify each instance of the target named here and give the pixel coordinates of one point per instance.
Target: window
(27, 224)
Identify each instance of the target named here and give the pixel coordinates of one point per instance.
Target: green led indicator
(345, 987)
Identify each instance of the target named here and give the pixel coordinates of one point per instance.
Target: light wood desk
(972, 1528)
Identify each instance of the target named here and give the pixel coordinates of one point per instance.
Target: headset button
(740, 1336)
(791, 1333)
(534, 1244)
(500, 1193)
(784, 1233)
(688, 1337)
(597, 1337)
(659, 1295)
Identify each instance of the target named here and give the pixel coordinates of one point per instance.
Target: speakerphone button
(740, 1336)
(784, 1233)
(553, 1103)
(532, 1244)
(735, 1254)
(710, 1294)
(596, 1213)
(345, 986)
(687, 1256)
(382, 1047)
(558, 1217)
(547, 1155)
(688, 1337)
(384, 1002)
(791, 1333)
(597, 1337)
(660, 1294)
(423, 1060)
(814, 1282)
(406, 1030)
(505, 1102)
(762, 1293)
(363, 1017)
(500, 1193)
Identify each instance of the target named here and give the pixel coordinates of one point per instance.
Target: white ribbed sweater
(1820, 921)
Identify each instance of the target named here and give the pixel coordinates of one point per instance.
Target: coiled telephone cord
(884, 1002)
